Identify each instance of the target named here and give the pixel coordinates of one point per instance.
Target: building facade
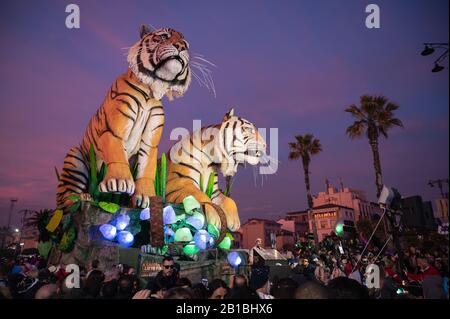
(296, 222)
(417, 214)
(285, 240)
(237, 242)
(259, 228)
(346, 197)
(441, 213)
(326, 217)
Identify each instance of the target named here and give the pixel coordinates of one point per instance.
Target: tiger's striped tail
(74, 178)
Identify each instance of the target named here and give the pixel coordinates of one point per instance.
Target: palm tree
(374, 117)
(304, 147)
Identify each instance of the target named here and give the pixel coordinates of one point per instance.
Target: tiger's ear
(228, 115)
(145, 29)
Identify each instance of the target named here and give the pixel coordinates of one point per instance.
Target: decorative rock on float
(172, 230)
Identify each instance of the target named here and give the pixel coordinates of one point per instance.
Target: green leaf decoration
(213, 231)
(157, 181)
(68, 239)
(44, 248)
(66, 221)
(74, 197)
(163, 177)
(229, 236)
(75, 206)
(55, 220)
(210, 187)
(164, 249)
(109, 207)
(102, 173)
(229, 184)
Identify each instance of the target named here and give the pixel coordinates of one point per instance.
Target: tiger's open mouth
(171, 68)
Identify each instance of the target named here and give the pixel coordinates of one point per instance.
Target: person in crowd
(93, 284)
(168, 271)
(126, 287)
(109, 289)
(112, 274)
(238, 281)
(346, 288)
(179, 293)
(284, 288)
(319, 271)
(259, 281)
(184, 282)
(388, 287)
(217, 289)
(431, 279)
(160, 286)
(200, 291)
(94, 266)
(311, 290)
(252, 252)
(49, 291)
(242, 292)
(131, 271)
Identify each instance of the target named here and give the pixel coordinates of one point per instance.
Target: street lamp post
(13, 201)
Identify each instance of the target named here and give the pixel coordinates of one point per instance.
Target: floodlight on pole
(430, 48)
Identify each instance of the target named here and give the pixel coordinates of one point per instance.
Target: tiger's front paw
(118, 179)
(145, 189)
(231, 213)
(212, 216)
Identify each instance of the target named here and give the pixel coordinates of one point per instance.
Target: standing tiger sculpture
(128, 125)
(223, 147)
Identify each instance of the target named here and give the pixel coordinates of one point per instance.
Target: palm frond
(294, 155)
(356, 130)
(355, 111)
(391, 106)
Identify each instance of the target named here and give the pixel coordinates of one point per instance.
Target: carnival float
(119, 200)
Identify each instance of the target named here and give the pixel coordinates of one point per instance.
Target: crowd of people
(321, 271)
(415, 274)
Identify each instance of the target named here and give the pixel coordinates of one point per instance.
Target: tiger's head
(241, 143)
(160, 59)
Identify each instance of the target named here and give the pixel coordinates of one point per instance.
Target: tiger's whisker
(205, 60)
(207, 79)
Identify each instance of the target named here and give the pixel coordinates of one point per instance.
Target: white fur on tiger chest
(142, 130)
(133, 143)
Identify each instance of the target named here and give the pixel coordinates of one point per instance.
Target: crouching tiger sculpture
(221, 147)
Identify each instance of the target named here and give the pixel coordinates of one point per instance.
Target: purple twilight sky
(291, 65)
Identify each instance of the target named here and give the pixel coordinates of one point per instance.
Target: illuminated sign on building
(325, 215)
